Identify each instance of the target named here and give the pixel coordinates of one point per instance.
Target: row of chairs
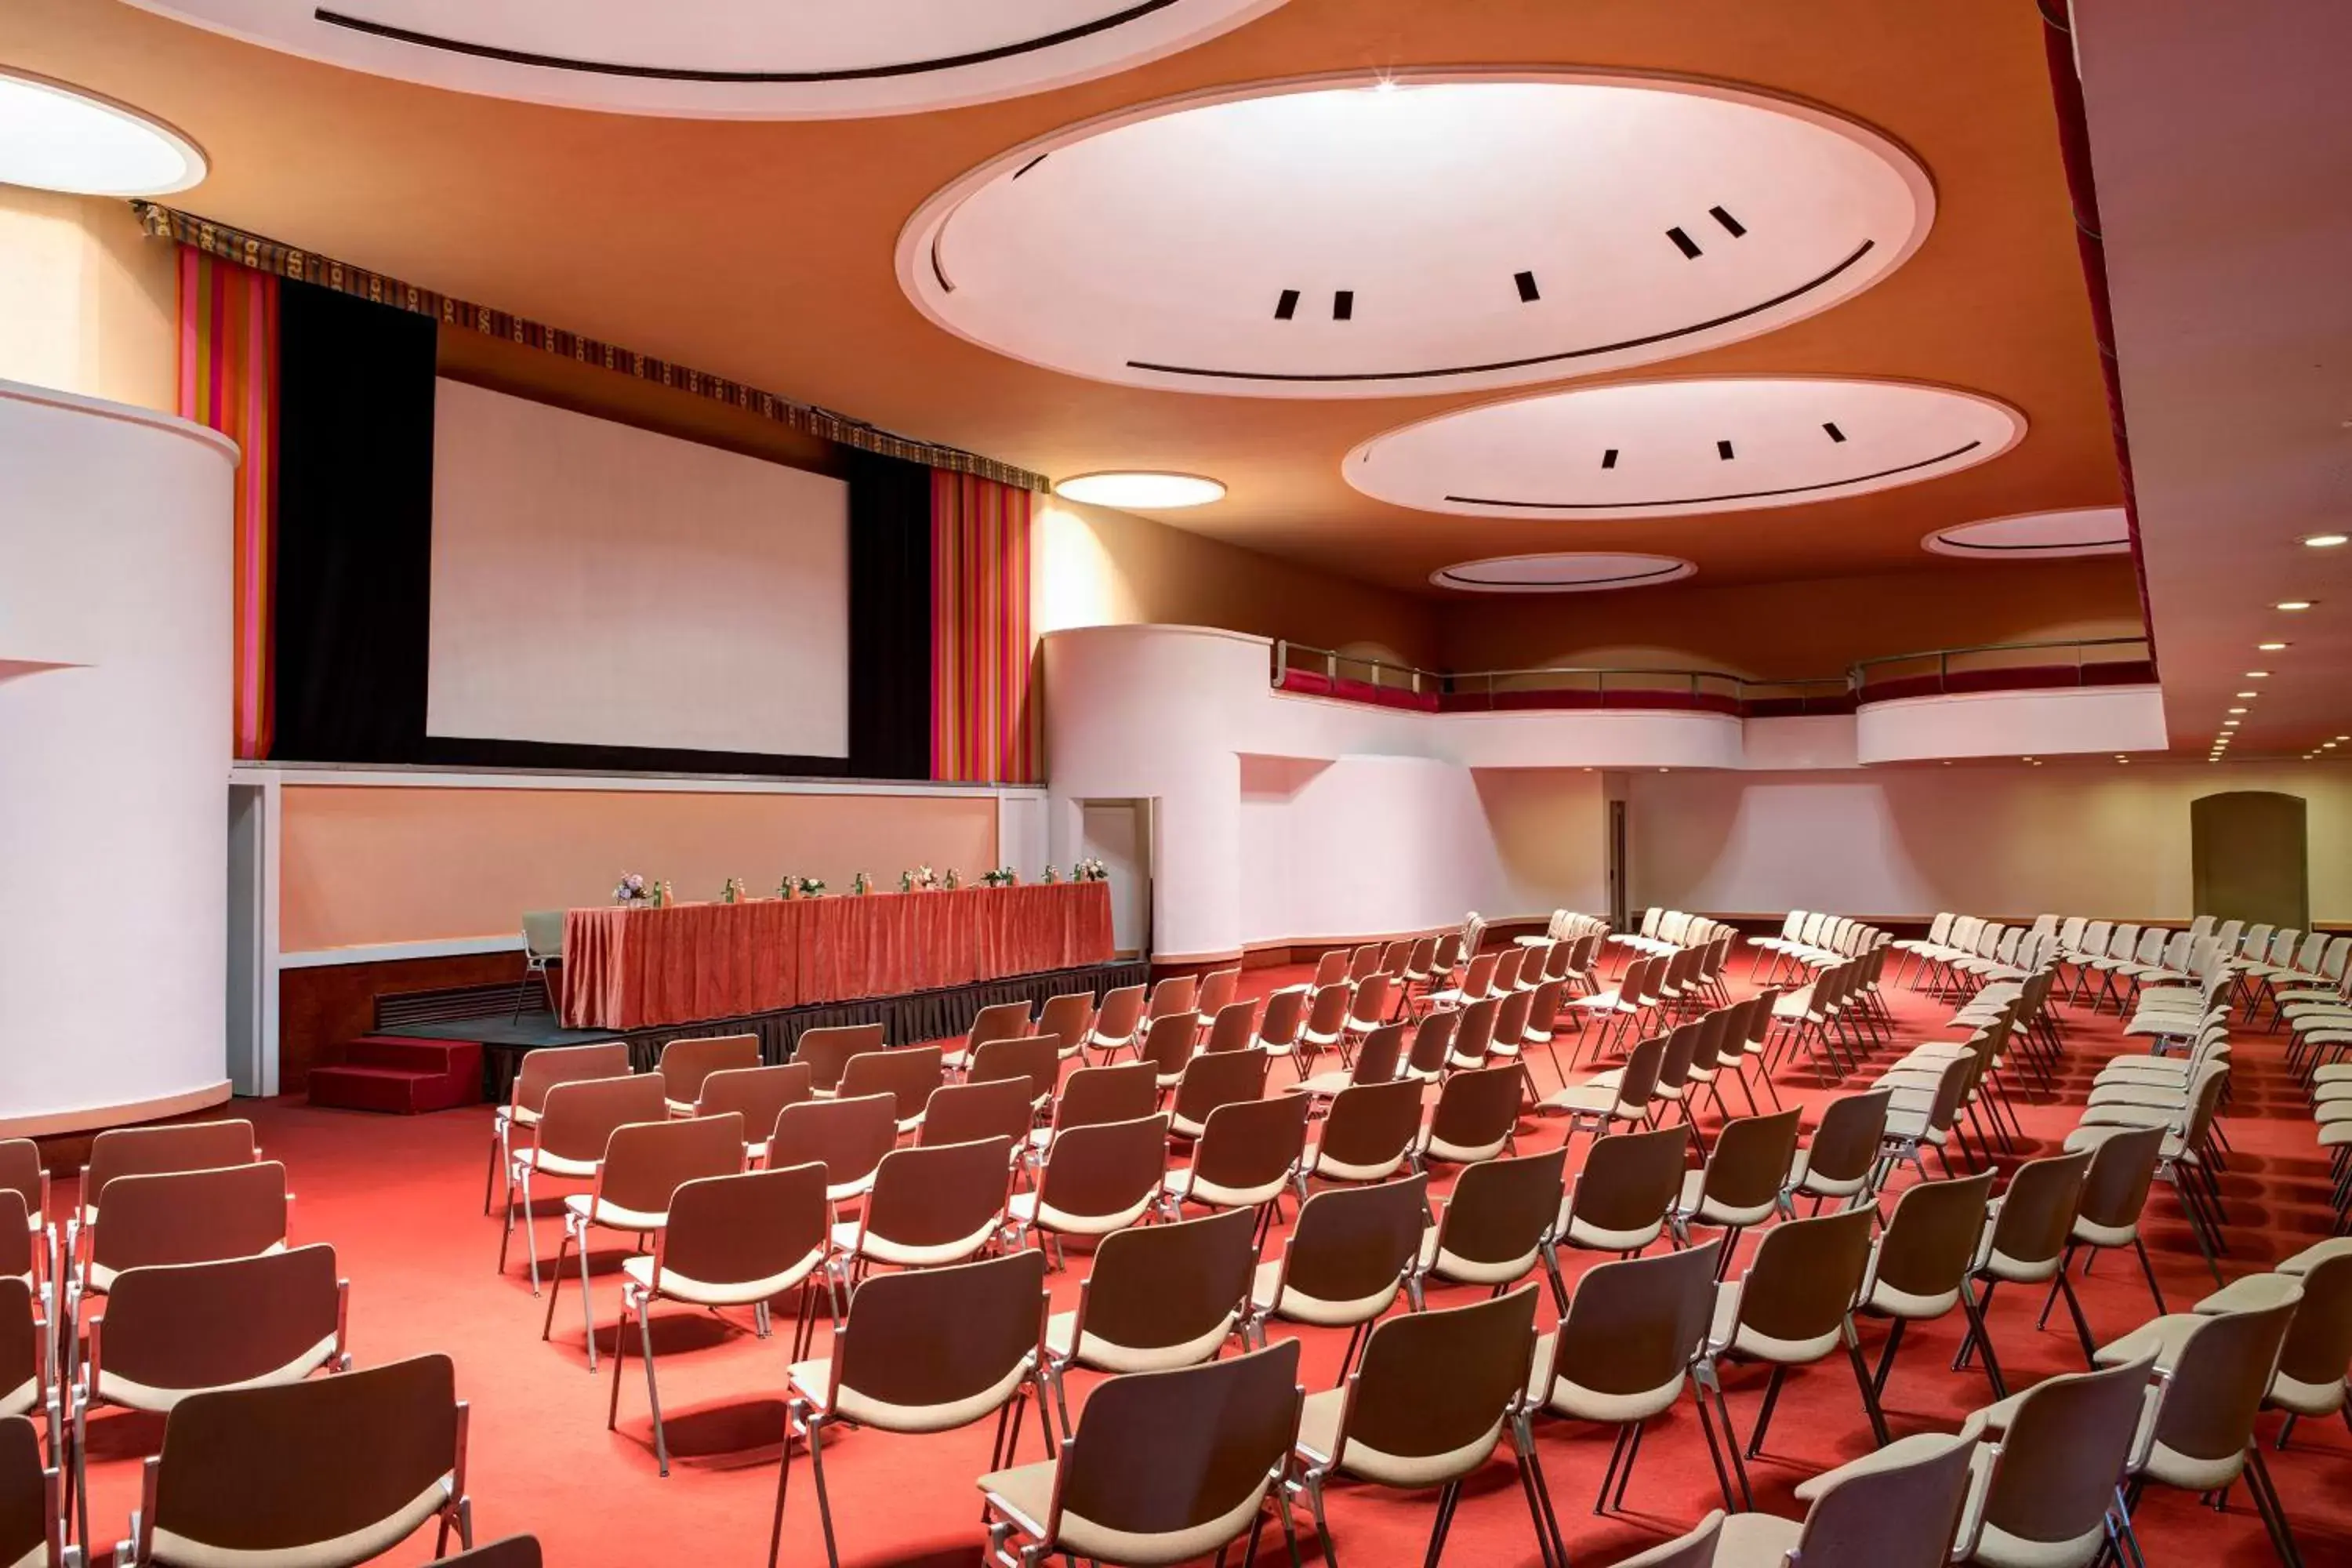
(1809, 940)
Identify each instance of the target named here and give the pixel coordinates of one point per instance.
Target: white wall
(114, 754)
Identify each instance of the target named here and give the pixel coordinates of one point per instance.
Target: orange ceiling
(763, 251)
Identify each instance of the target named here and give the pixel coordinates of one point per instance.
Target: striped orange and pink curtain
(228, 381)
(984, 719)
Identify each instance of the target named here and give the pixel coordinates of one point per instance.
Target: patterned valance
(283, 261)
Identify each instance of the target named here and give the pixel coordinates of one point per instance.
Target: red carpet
(399, 1199)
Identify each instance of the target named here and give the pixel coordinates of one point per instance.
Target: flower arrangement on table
(921, 879)
(800, 887)
(1090, 871)
(736, 891)
(634, 891)
(861, 884)
(953, 880)
(1002, 877)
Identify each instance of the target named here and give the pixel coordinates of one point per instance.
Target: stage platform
(905, 1019)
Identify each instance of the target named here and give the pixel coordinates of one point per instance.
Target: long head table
(632, 968)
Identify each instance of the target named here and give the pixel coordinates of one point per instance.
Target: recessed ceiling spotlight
(2294, 605)
(55, 136)
(1141, 490)
(2343, 737)
(2269, 647)
(2228, 723)
(2258, 675)
(2326, 541)
(2237, 710)
(2250, 694)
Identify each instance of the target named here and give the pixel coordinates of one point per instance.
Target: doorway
(1616, 868)
(2250, 860)
(1118, 833)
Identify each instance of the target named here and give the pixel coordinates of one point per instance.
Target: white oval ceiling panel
(780, 59)
(2038, 535)
(1565, 571)
(1425, 233)
(1672, 448)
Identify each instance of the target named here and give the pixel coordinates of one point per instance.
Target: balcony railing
(2004, 666)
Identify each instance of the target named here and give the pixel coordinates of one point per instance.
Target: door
(2249, 858)
(249, 1070)
(1118, 833)
(1617, 899)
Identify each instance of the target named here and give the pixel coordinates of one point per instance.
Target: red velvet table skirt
(627, 968)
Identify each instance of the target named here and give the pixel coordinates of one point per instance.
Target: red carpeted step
(401, 1076)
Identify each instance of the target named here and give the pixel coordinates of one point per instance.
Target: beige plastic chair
(1739, 1186)
(1840, 1164)
(1115, 1025)
(1620, 1201)
(2114, 1193)
(1900, 1507)
(685, 1064)
(1492, 1228)
(2310, 1380)
(1097, 1179)
(1476, 1116)
(1369, 1135)
(1246, 1154)
(1600, 1107)
(848, 1136)
(2032, 1224)
(930, 1207)
(1158, 1297)
(1922, 1263)
(1351, 1253)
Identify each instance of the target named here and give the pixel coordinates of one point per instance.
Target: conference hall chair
(1331, 969)
(21, 1173)
(1841, 1165)
(731, 1241)
(1364, 963)
(1694, 1549)
(1279, 1025)
(1739, 1186)
(1368, 1010)
(829, 1051)
(1217, 988)
(1376, 1061)
(1541, 1024)
(1626, 1347)
(1618, 1201)
(32, 1525)
(1158, 1297)
(643, 1165)
(181, 1216)
(171, 1331)
(1915, 1123)
(1032, 1060)
(685, 1064)
(1432, 1047)
(507, 1551)
(1476, 1116)
(1234, 1028)
(160, 1151)
(1000, 1021)
(1168, 1047)
(542, 950)
(1492, 1228)
(32, 1267)
(848, 1136)
(1115, 1025)
(576, 1122)
(539, 1071)
(1794, 1306)
(758, 1096)
(1174, 997)
(1920, 1266)
(1095, 1180)
(1617, 1008)
(31, 1377)
(2055, 1471)
(1096, 1095)
(1211, 1080)
(1165, 1467)
(1325, 1025)
(2310, 1381)
(929, 1207)
(1350, 1254)
(1510, 1026)
(2114, 1195)
(1477, 983)
(960, 1112)
(2183, 1159)
(928, 1350)
(1419, 963)
(1597, 1107)
(2026, 1240)
(906, 1075)
(1474, 1033)
(327, 1473)
(1247, 1153)
(1069, 1018)
(1368, 1136)
(1432, 1398)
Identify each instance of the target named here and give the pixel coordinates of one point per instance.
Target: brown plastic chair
(1476, 1116)
(1597, 1107)
(1368, 1137)
(828, 1051)
(1740, 1184)
(539, 1071)
(1175, 994)
(183, 1216)
(21, 1173)
(25, 1355)
(731, 1241)
(929, 1350)
(644, 1164)
(1325, 1025)
(1119, 1022)
(758, 1096)
(2055, 1474)
(848, 1136)
(907, 1075)
(959, 1113)
(1211, 1080)
(1095, 1095)
(171, 1331)
(1349, 1254)
(1626, 1346)
(31, 1267)
(1840, 1164)
(687, 1064)
(1331, 968)
(1492, 1228)
(1068, 1018)
(32, 1527)
(1216, 994)
(1473, 1035)
(1158, 1297)
(157, 1151)
(999, 1021)
(1376, 1061)
(1695, 1549)
(1620, 1201)
(507, 1551)
(1168, 1047)
(1278, 1025)
(1233, 1028)
(1165, 1467)
(2310, 1380)
(1436, 1393)
(330, 1472)
(1097, 1179)
(1898, 1506)
(1510, 1026)
(1920, 1266)
(1794, 1306)
(2032, 1222)
(1034, 1059)
(929, 1207)
(1432, 1047)
(1246, 1154)
(2114, 1193)
(576, 1123)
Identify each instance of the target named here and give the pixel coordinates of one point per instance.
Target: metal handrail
(1858, 675)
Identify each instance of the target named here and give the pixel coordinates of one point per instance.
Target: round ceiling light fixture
(55, 136)
(785, 59)
(2037, 535)
(1141, 490)
(1419, 231)
(1673, 448)
(1563, 572)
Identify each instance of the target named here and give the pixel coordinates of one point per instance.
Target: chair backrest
(1174, 994)
(1372, 1123)
(907, 1075)
(1476, 1032)
(1895, 1515)
(1432, 1040)
(959, 1113)
(1370, 1003)
(1217, 988)
(2219, 1374)
(1506, 968)
(1067, 1017)
(1161, 1291)
(1845, 1146)
(175, 1328)
(1327, 1011)
(2038, 1210)
(542, 1070)
(31, 1529)
(1805, 1275)
(828, 1050)
(2319, 1345)
(2122, 1169)
(1695, 1549)
(1034, 1061)
(925, 1350)
(1108, 1172)
(1478, 980)
(1682, 1050)
(1434, 1390)
(542, 933)
(1219, 1077)
(1353, 1245)
(942, 1195)
(757, 1094)
(1159, 1457)
(848, 1136)
(23, 1360)
(1749, 1162)
(1630, 1180)
(21, 1171)
(191, 1216)
(296, 1466)
(1119, 1093)
(1167, 1043)
(644, 1162)
(686, 1063)
(1511, 1016)
(1639, 1076)
(1233, 1028)
(1285, 1013)
(745, 1228)
(151, 1151)
(2064, 1455)
(1447, 953)
(1477, 1111)
(1418, 958)
(1635, 1326)
(577, 1119)
(1499, 1210)
(1930, 1243)
(19, 1238)
(1121, 1015)
(1331, 969)
(1365, 962)
(1246, 1147)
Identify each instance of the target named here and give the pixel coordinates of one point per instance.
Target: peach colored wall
(88, 303)
(361, 866)
(1795, 629)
